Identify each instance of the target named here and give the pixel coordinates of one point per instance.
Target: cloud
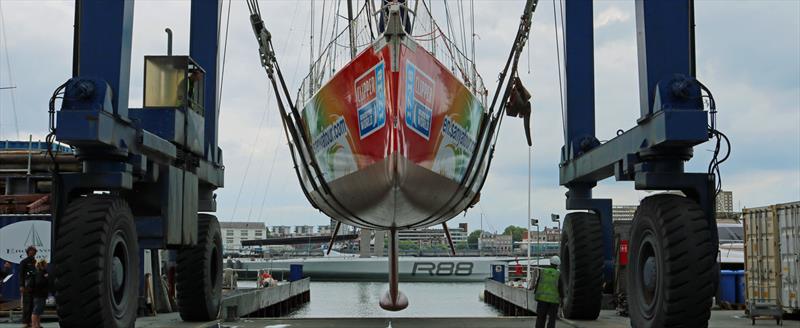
(610, 16)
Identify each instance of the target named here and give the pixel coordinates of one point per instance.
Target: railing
(426, 32)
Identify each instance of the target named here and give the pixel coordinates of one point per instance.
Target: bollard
(232, 313)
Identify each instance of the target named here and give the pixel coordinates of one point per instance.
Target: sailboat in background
(396, 134)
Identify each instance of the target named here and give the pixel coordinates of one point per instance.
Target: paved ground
(608, 319)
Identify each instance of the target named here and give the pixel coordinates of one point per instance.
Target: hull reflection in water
(430, 300)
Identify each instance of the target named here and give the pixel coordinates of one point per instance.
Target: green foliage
(472, 239)
(515, 232)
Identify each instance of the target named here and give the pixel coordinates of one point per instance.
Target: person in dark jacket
(5, 271)
(27, 272)
(39, 291)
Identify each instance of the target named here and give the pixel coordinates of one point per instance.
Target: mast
(472, 26)
(311, 54)
(352, 29)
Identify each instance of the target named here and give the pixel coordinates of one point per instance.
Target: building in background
(623, 212)
(552, 234)
(324, 230)
(345, 229)
(725, 202)
(542, 243)
(433, 236)
(303, 230)
(233, 233)
(281, 231)
(498, 244)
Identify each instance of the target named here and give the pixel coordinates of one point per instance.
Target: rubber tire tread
(688, 258)
(198, 297)
(80, 264)
(582, 286)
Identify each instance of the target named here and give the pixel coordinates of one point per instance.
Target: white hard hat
(555, 260)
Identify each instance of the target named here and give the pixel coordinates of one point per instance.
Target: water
(426, 299)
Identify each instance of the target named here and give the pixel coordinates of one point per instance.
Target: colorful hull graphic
(396, 146)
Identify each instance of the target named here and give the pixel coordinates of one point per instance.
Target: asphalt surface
(608, 319)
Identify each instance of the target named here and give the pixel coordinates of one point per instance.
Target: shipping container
(789, 230)
(17, 232)
(772, 235)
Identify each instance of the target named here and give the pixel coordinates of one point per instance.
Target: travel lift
(673, 269)
(672, 266)
(149, 171)
(149, 174)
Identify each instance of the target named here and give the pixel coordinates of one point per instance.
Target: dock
(274, 301)
(512, 301)
(607, 319)
(270, 302)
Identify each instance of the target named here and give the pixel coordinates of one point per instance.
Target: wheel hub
(117, 274)
(650, 274)
(119, 270)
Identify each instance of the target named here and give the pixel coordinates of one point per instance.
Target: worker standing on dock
(548, 295)
(39, 291)
(27, 272)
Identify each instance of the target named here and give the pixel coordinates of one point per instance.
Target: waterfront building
(433, 236)
(233, 233)
(303, 230)
(499, 244)
(324, 230)
(281, 231)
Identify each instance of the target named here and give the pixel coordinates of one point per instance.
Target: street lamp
(557, 219)
(535, 222)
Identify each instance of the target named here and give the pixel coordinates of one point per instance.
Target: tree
(472, 239)
(515, 232)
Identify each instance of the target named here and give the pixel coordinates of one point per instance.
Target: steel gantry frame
(152, 169)
(672, 116)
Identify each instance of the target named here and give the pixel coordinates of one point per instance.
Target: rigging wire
(463, 34)
(277, 145)
(255, 141)
(10, 75)
(224, 56)
(558, 66)
(264, 118)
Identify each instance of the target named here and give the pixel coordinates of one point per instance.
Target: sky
(748, 54)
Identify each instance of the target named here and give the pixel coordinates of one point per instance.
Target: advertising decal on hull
(370, 101)
(420, 93)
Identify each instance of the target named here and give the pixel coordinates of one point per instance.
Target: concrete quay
(607, 319)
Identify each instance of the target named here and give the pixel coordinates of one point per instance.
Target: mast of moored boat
(352, 29)
(311, 54)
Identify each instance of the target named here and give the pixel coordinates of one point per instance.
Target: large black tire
(581, 266)
(672, 261)
(199, 273)
(96, 264)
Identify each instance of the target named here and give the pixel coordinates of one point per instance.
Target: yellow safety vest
(547, 288)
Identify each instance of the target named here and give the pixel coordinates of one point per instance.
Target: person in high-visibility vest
(548, 295)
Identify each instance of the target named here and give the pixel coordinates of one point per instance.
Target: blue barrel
(499, 273)
(740, 286)
(727, 286)
(295, 272)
